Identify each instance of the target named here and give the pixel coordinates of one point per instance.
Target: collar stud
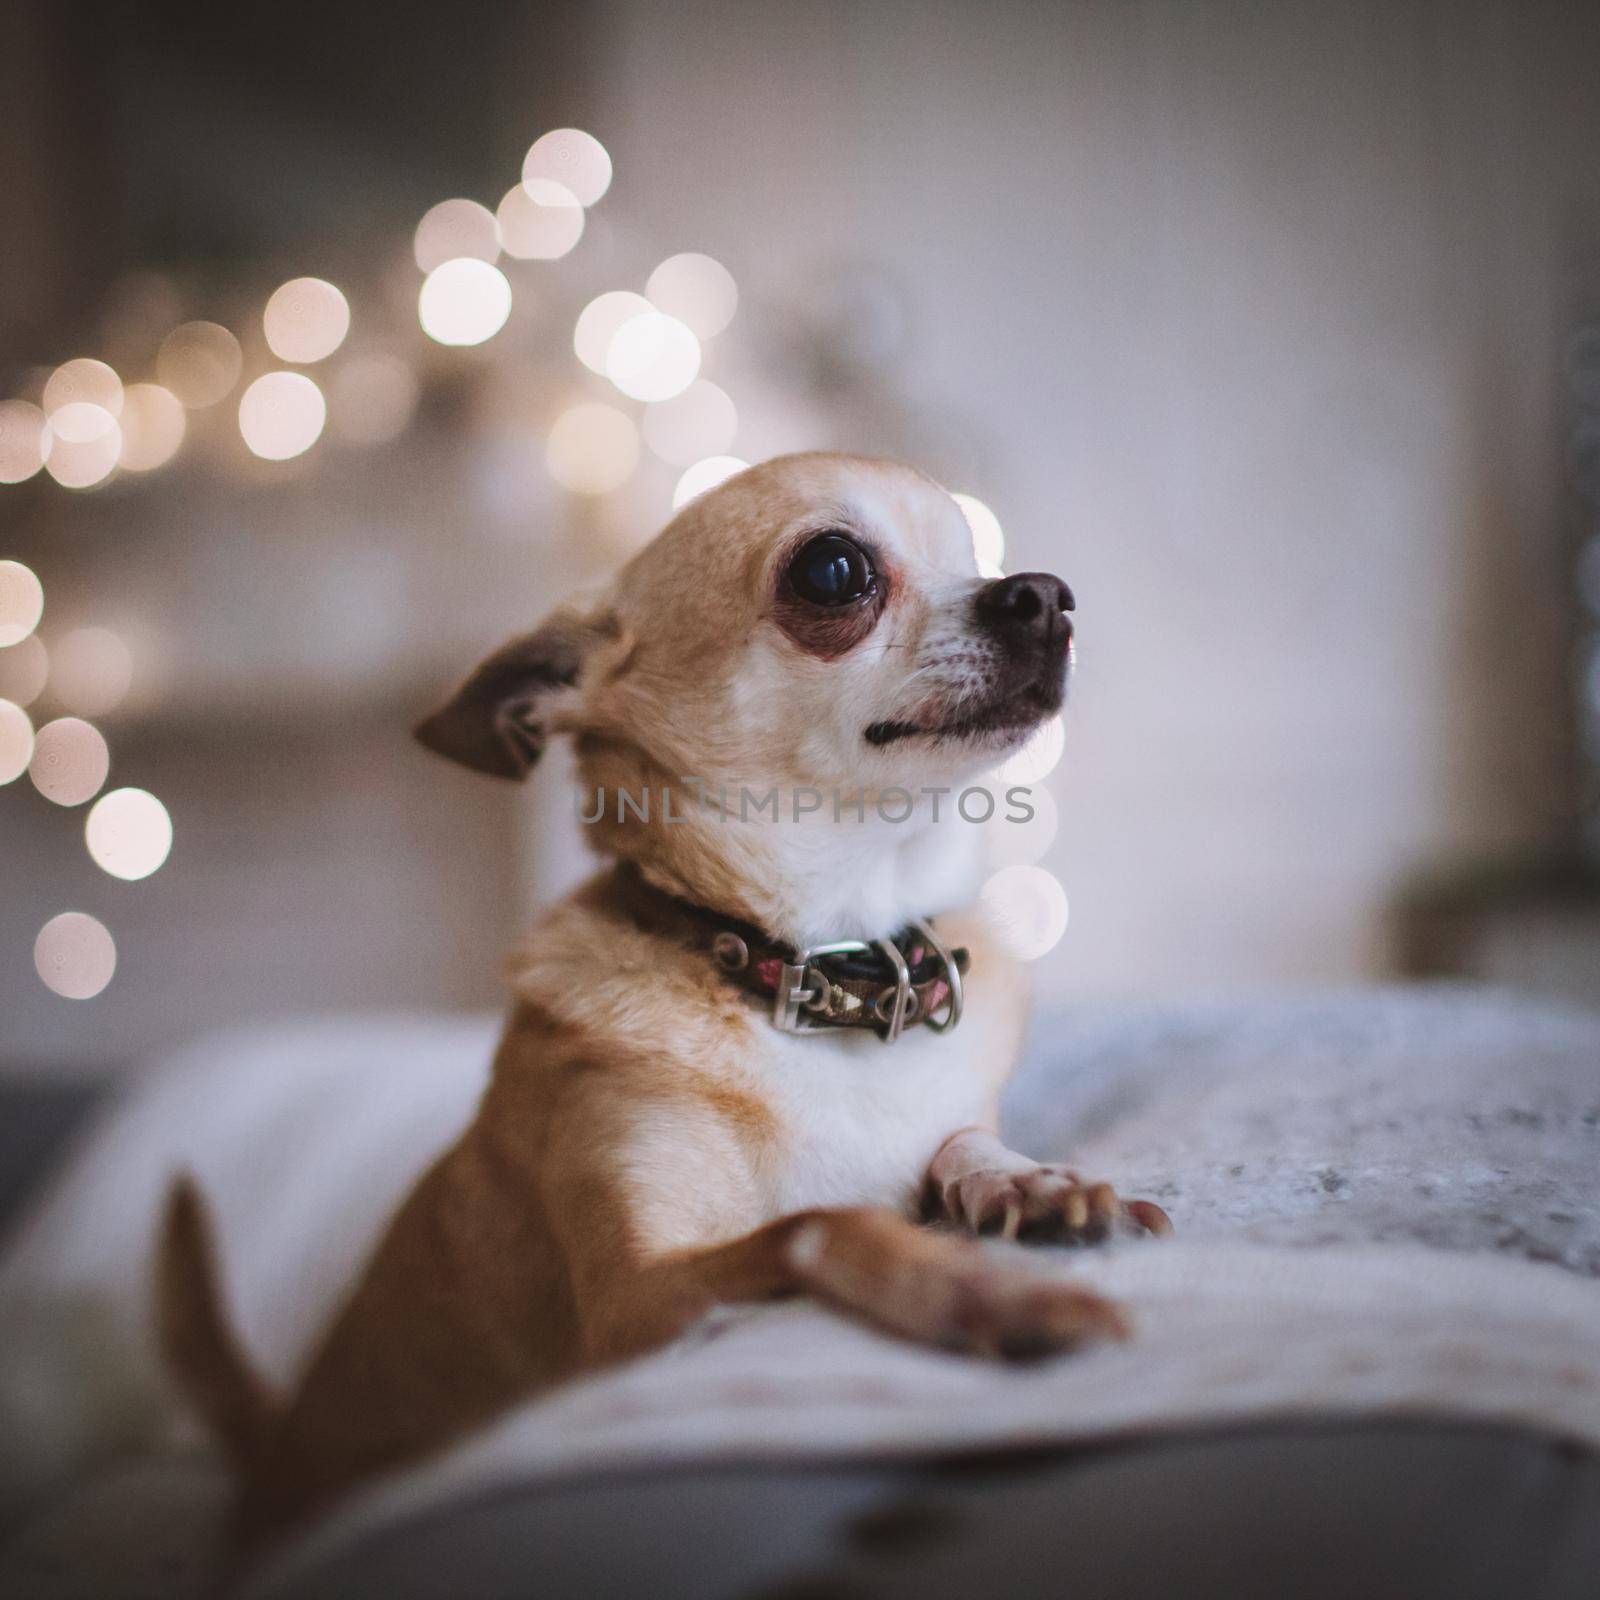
(730, 952)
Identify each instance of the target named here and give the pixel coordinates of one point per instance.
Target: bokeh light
(82, 444)
(697, 290)
(574, 159)
(539, 221)
(700, 422)
(21, 602)
(455, 229)
(22, 440)
(75, 955)
(83, 381)
(153, 425)
(705, 475)
(93, 671)
(653, 357)
(464, 302)
(1038, 758)
(128, 833)
(24, 670)
(305, 320)
(592, 449)
(80, 422)
(988, 541)
(1027, 910)
(200, 362)
(599, 321)
(16, 741)
(372, 398)
(1013, 843)
(70, 761)
(281, 415)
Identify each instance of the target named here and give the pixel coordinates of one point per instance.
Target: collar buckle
(801, 989)
(795, 989)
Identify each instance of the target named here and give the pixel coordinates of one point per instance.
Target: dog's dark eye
(831, 570)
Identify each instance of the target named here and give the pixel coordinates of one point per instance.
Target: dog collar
(885, 984)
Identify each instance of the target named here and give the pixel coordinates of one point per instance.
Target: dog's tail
(199, 1347)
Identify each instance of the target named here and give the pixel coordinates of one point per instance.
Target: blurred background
(338, 342)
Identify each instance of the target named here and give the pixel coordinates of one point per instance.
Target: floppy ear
(495, 722)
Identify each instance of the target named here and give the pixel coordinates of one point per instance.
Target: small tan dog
(692, 1103)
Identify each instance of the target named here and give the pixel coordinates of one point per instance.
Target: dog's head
(817, 620)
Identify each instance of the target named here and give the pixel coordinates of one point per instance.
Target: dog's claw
(1048, 1204)
(1151, 1218)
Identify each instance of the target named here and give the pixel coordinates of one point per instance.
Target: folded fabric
(1386, 1202)
(1227, 1334)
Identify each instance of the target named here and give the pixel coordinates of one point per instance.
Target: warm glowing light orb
(653, 357)
(93, 671)
(21, 602)
(539, 221)
(699, 422)
(82, 444)
(372, 398)
(988, 542)
(1038, 758)
(75, 955)
(574, 159)
(128, 833)
(70, 761)
(1027, 909)
(22, 440)
(153, 426)
(598, 323)
(697, 290)
(83, 381)
(592, 449)
(199, 362)
(281, 415)
(24, 670)
(16, 741)
(305, 320)
(80, 422)
(464, 302)
(453, 229)
(705, 475)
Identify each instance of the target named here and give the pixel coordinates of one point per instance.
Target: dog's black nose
(1031, 607)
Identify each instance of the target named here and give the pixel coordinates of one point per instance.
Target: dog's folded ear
(496, 721)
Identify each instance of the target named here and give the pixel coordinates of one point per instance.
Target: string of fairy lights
(84, 427)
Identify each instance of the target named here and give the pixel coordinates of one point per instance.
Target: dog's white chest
(860, 1120)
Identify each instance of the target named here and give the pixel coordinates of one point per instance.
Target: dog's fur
(649, 1144)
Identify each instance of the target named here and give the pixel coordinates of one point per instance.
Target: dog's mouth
(1001, 720)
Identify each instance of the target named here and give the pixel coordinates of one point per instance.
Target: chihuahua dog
(750, 1052)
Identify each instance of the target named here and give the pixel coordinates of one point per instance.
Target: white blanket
(1387, 1202)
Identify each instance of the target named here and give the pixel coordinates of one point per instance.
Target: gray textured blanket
(1448, 1117)
(1387, 1201)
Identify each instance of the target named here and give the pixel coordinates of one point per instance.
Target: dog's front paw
(1048, 1205)
(1010, 1315)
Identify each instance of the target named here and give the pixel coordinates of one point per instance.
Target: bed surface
(1386, 1275)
